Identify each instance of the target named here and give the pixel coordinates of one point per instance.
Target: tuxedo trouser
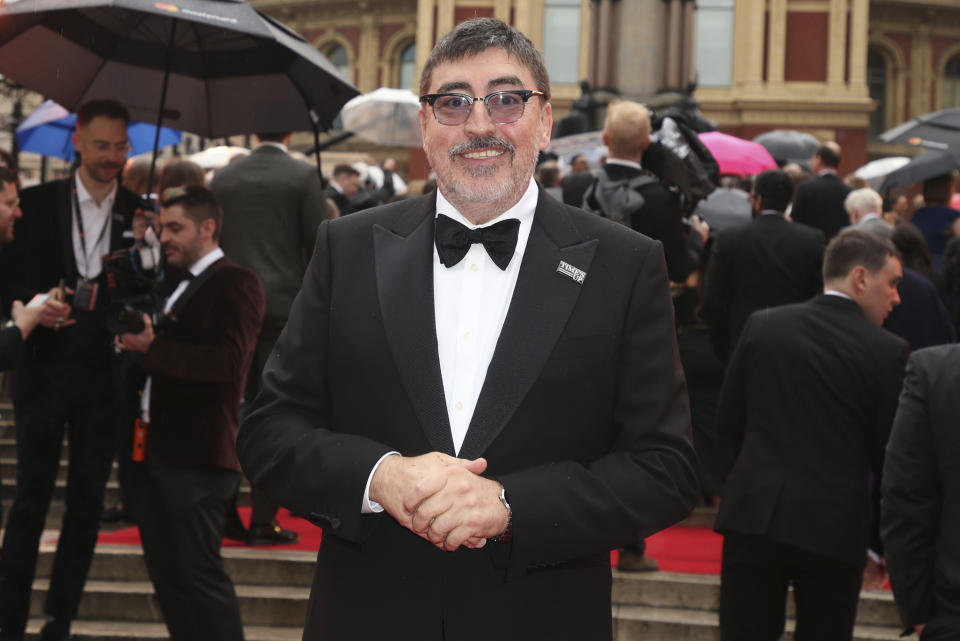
(264, 507)
(181, 512)
(754, 578)
(82, 405)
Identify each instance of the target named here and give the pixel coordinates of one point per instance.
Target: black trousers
(753, 591)
(82, 405)
(181, 515)
(264, 507)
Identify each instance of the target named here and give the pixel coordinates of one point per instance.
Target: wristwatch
(507, 535)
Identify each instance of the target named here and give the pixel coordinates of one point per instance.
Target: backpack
(617, 200)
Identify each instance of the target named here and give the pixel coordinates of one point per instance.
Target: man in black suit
(475, 426)
(819, 202)
(765, 263)
(67, 383)
(343, 186)
(920, 523)
(626, 133)
(272, 205)
(805, 412)
(196, 363)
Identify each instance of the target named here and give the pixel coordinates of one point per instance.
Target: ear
(858, 278)
(546, 122)
(75, 138)
(422, 115)
(208, 227)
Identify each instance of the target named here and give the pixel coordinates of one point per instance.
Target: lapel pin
(571, 272)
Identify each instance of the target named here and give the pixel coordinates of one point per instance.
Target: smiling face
(184, 241)
(483, 168)
(103, 148)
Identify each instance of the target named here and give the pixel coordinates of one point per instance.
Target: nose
(479, 121)
(896, 297)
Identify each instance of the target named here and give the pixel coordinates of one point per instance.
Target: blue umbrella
(49, 129)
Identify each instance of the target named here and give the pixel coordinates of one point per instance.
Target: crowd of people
(479, 392)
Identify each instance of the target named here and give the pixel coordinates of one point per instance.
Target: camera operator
(196, 360)
(65, 383)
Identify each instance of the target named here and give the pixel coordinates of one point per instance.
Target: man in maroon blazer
(196, 363)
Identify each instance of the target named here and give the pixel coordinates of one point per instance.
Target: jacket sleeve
(912, 500)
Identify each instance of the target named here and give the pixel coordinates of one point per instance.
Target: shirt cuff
(368, 506)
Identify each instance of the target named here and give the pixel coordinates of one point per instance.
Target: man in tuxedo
(819, 202)
(920, 523)
(626, 133)
(343, 186)
(805, 412)
(272, 205)
(765, 263)
(865, 208)
(196, 364)
(67, 382)
(475, 426)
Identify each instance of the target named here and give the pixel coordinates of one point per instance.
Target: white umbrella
(384, 116)
(876, 170)
(216, 157)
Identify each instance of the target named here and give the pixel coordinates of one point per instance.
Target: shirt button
(474, 267)
(458, 406)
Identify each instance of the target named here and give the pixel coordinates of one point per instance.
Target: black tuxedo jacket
(921, 494)
(805, 412)
(583, 417)
(199, 362)
(40, 255)
(765, 263)
(819, 203)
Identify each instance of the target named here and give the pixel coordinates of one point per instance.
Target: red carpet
(677, 549)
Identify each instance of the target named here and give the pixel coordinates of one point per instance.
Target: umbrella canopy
(218, 67)
(938, 130)
(385, 116)
(876, 170)
(789, 146)
(48, 130)
(736, 156)
(923, 167)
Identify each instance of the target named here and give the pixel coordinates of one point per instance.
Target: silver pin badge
(571, 272)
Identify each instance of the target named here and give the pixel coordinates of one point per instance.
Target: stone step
(673, 590)
(134, 631)
(249, 566)
(266, 605)
(635, 623)
(8, 488)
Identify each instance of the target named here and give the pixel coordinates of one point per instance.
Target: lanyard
(83, 242)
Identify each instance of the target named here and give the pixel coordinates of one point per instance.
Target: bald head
(626, 131)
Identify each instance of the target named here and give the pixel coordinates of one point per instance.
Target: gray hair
(864, 201)
(476, 36)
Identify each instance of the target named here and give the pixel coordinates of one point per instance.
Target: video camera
(132, 276)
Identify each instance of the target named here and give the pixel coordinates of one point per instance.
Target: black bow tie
(453, 240)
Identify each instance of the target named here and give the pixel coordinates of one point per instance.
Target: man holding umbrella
(67, 381)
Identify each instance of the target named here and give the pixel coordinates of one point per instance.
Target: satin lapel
(542, 302)
(65, 216)
(404, 260)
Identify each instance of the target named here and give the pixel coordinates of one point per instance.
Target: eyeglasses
(103, 147)
(504, 107)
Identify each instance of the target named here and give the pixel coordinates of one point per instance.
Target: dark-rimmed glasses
(504, 107)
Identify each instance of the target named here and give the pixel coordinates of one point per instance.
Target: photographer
(196, 361)
(66, 380)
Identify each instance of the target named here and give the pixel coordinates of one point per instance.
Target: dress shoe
(118, 513)
(633, 562)
(55, 630)
(270, 534)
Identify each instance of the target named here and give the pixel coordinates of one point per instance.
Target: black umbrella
(923, 167)
(212, 67)
(789, 146)
(938, 130)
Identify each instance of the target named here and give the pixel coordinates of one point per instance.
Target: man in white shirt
(478, 393)
(67, 382)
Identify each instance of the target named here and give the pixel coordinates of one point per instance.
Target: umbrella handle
(163, 101)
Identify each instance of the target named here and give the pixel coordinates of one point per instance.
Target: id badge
(85, 297)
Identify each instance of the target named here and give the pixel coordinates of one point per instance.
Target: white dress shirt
(97, 220)
(196, 269)
(470, 301)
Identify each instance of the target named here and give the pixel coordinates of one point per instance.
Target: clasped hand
(441, 498)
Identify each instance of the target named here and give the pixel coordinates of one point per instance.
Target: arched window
(951, 83)
(337, 54)
(407, 66)
(877, 83)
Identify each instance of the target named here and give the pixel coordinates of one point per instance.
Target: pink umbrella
(737, 156)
